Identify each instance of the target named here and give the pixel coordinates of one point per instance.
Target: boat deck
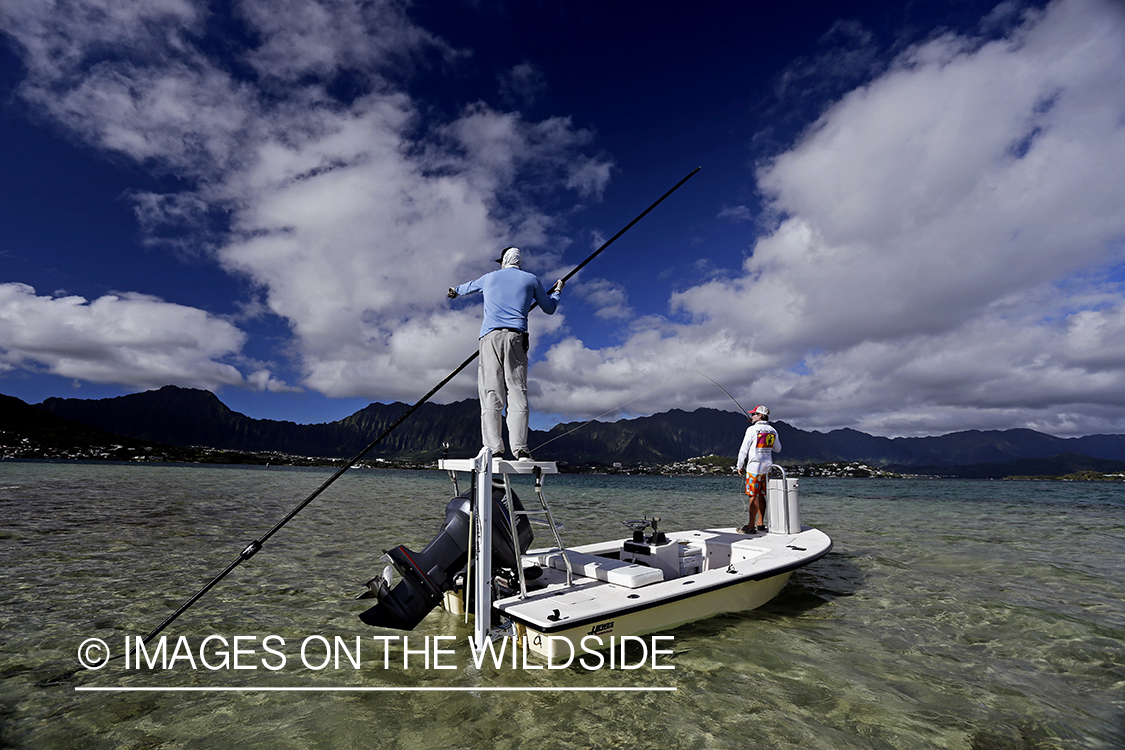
(717, 569)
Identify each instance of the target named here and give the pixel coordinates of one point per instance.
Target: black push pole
(629, 226)
(254, 546)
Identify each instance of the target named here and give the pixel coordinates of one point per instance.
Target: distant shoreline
(818, 471)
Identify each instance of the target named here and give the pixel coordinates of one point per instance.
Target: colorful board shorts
(756, 485)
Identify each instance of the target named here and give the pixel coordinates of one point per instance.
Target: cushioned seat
(605, 569)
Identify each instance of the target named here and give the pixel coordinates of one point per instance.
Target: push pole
(629, 226)
(256, 545)
(482, 586)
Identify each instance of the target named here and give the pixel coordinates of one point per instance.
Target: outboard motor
(428, 574)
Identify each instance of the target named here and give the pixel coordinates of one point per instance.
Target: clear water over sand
(950, 614)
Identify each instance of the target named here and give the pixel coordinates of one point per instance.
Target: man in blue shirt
(502, 372)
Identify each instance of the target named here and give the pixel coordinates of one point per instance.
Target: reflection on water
(950, 614)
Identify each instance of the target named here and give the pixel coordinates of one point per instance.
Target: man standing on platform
(756, 457)
(509, 294)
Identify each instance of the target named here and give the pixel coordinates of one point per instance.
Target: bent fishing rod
(724, 390)
(256, 545)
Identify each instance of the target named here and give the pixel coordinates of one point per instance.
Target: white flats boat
(554, 600)
(694, 575)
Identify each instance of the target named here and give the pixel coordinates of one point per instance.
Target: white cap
(759, 409)
(510, 257)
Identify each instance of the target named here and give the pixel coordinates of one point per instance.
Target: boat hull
(560, 645)
(738, 573)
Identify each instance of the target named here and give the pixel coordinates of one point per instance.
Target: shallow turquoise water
(950, 614)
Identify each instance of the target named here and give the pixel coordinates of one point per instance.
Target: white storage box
(783, 514)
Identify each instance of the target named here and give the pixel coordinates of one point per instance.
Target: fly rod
(256, 545)
(724, 390)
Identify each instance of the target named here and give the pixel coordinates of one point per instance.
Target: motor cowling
(428, 574)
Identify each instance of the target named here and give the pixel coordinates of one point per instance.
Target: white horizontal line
(373, 689)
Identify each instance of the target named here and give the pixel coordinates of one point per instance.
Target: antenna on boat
(256, 545)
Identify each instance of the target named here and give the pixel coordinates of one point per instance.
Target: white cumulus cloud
(348, 216)
(127, 338)
(948, 248)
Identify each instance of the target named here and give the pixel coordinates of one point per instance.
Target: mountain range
(191, 417)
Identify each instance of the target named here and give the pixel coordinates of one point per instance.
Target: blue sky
(910, 218)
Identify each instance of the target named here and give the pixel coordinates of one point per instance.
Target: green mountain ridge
(192, 417)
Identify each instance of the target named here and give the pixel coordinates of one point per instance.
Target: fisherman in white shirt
(755, 458)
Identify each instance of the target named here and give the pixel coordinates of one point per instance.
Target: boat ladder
(483, 468)
(547, 519)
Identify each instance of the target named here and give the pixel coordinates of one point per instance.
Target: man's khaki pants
(502, 380)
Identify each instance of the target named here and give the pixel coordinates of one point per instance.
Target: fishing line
(743, 500)
(616, 408)
(724, 390)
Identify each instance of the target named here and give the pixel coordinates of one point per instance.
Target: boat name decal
(602, 627)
